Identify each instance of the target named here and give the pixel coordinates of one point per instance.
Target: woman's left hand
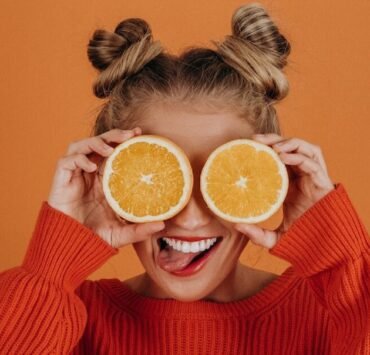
(308, 183)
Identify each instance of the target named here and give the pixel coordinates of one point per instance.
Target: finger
(96, 159)
(297, 146)
(306, 165)
(259, 236)
(137, 131)
(90, 145)
(99, 144)
(268, 138)
(71, 166)
(303, 165)
(133, 233)
(117, 135)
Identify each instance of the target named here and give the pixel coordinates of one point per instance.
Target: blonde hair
(243, 74)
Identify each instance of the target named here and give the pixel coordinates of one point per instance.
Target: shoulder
(91, 290)
(87, 289)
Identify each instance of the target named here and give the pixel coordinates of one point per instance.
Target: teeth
(190, 247)
(194, 247)
(178, 245)
(202, 245)
(185, 248)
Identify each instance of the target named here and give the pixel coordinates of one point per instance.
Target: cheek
(238, 239)
(229, 226)
(235, 246)
(239, 245)
(144, 251)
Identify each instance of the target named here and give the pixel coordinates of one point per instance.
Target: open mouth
(184, 258)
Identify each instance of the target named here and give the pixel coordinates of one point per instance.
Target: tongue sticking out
(170, 259)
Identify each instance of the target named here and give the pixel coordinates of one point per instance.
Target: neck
(242, 282)
(232, 288)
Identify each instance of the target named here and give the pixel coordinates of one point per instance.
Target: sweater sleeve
(39, 310)
(330, 247)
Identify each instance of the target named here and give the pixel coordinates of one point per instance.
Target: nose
(193, 217)
(196, 214)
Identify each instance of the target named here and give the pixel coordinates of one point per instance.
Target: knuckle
(294, 140)
(63, 162)
(100, 145)
(118, 131)
(315, 168)
(77, 157)
(60, 162)
(273, 135)
(80, 157)
(71, 147)
(288, 140)
(98, 142)
(316, 149)
(115, 133)
(126, 131)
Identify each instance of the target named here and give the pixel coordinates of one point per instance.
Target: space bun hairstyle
(243, 74)
(121, 54)
(257, 50)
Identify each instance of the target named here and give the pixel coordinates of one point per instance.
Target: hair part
(243, 74)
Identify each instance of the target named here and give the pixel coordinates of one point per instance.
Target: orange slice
(147, 178)
(244, 181)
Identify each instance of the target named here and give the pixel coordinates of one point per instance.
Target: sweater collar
(124, 297)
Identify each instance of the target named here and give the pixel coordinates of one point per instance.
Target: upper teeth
(190, 247)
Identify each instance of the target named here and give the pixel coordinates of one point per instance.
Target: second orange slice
(244, 181)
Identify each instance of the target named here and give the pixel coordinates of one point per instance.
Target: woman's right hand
(77, 190)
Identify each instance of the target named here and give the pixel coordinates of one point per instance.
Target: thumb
(136, 232)
(259, 236)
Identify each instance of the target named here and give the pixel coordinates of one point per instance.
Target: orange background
(47, 100)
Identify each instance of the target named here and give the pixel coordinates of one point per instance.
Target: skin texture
(76, 190)
(223, 278)
(309, 182)
(220, 278)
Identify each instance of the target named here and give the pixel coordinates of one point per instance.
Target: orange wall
(47, 101)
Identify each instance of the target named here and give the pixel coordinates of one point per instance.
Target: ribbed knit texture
(319, 305)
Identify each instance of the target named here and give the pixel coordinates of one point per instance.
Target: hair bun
(252, 23)
(122, 53)
(257, 51)
(105, 46)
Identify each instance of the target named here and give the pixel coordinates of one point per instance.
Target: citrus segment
(147, 178)
(244, 181)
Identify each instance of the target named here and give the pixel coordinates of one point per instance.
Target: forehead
(197, 133)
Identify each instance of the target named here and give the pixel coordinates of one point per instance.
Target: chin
(187, 297)
(185, 294)
(208, 276)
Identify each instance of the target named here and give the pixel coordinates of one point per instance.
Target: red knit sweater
(319, 305)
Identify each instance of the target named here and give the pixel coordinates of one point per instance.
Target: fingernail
(93, 166)
(242, 227)
(158, 225)
(108, 149)
(126, 133)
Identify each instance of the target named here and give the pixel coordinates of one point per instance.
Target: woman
(200, 100)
